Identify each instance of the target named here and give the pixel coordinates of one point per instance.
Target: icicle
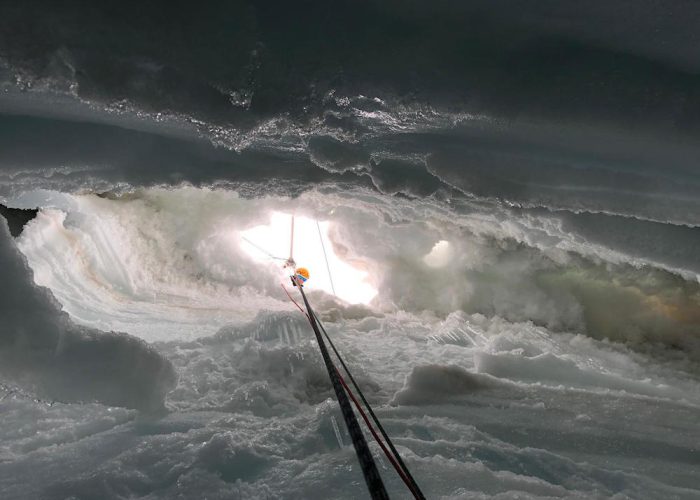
(337, 432)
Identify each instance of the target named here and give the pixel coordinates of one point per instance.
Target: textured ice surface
(252, 416)
(517, 180)
(41, 347)
(521, 402)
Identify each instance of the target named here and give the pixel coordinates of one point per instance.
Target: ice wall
(40, 346)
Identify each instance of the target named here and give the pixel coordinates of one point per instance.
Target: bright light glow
(263, 243)
(440, 255)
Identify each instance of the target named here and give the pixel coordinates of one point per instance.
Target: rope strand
(393, 456)
(328, 267)
(416, 489)
(261, 249)
(389, 456)
(293, 301)
(373, 479)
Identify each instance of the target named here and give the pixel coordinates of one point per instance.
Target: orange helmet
(301, 274)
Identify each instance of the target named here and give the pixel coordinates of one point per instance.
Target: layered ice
(165, 264)
(42, 348)
(517, 182)
(488, 352)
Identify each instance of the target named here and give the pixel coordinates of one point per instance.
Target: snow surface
(521, 403)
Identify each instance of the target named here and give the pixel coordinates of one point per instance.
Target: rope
(291, 243)
(293, 301)
(374, 482)
(391, 458)
(394, 457)
(258, 247)
(415, 489)
(328, 267)
(396, 460)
